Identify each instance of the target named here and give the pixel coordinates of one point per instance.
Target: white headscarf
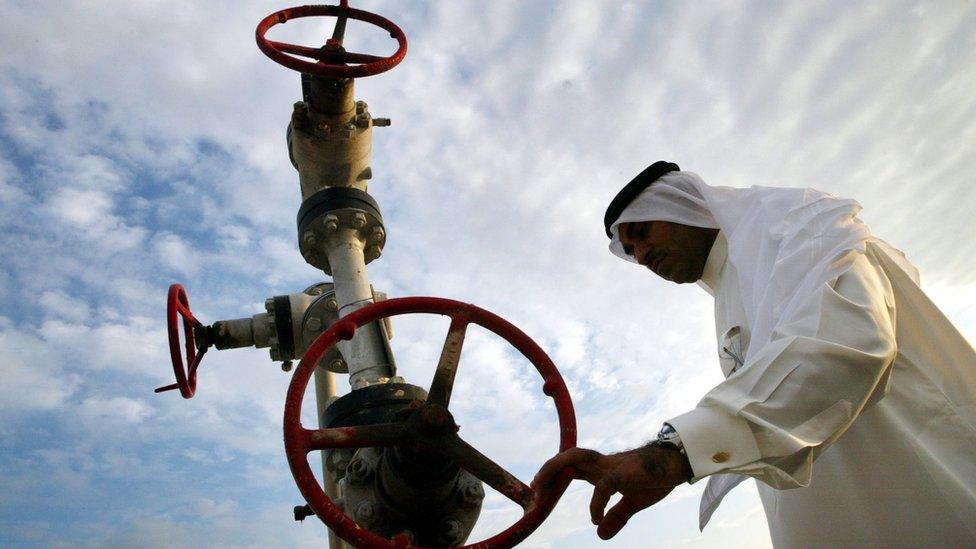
(783, 242)
(673, 197)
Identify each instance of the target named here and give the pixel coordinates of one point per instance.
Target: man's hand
(643, 476)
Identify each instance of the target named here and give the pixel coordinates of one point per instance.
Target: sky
(142, 143)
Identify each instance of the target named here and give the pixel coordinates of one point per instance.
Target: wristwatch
(668, 438)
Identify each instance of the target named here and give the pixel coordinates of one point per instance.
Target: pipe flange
(282, 340)
(335, 209)
(321, 314)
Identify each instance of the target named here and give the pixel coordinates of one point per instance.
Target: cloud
(116, 410)
(33, 379)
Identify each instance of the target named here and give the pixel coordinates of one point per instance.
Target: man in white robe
(848, 395)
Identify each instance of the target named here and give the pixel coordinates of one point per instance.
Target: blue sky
(143, 144)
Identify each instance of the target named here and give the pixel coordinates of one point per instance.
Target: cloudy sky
(142, 143)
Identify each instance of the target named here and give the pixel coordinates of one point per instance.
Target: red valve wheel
(331, 58)
(178, 305)
(431, 426)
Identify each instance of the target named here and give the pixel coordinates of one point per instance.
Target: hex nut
(365, 512)
(358, 471)
(377, 235)
(472, 495)
(331, 222)
(359, 220)
(340, 460)
(450, 532)
(360, 384)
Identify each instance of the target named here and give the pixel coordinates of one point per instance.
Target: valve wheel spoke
(481, 466)
(184, 310)
(361, 436)
(326, 55)
(351, 57)
(294, 49)
(443, 383)
(192, 370)
(339, 31)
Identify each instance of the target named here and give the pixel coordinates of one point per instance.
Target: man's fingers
(616, 518)
(602, 493)
(574, 457)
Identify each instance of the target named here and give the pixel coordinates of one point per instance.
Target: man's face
(674, 252)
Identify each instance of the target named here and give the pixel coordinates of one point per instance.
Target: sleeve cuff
(715, 441)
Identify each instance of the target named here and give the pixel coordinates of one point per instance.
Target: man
(848, 395)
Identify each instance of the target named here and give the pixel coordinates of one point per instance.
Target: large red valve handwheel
(178, 305)
(431, 426)
(331, 59)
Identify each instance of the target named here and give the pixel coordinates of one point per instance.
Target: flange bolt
(358, 471)
(313, 324)
(472, 495)
(339, 459)
(365, 512)
(359, 220)
(299, 116)
(331, 223)
(450, 532)
(373, 252)
(377, 235)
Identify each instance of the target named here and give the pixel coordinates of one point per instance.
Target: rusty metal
(178, 305)
(429, 428)
(440, 389)
(331, 58)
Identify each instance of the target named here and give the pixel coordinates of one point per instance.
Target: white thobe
(858, 418)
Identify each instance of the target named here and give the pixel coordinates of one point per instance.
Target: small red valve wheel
(431, 426)
(331, 58)
(178, 305)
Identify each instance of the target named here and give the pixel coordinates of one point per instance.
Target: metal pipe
(325, 391)
(365, 353)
